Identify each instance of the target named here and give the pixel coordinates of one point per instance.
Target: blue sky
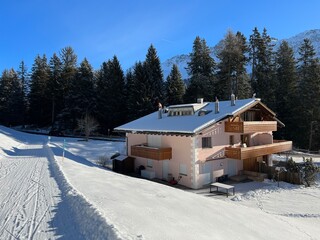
(99, 29)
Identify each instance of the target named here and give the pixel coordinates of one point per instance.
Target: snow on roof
(189, 124)
(121, 157)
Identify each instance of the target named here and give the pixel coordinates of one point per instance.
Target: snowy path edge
(91, 223)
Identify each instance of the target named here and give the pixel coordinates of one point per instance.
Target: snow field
(43, 196)
(36, 202)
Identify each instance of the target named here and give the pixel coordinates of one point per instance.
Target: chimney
(159, 110)
(233, 100)
(200, 100)
(216, 104)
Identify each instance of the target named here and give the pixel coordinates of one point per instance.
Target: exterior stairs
(254, 176)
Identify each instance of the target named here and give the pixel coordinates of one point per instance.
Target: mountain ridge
(295, 41)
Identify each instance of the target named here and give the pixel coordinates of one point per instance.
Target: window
(206, 142)
(183, 169)
(231, 139)
(149, 163)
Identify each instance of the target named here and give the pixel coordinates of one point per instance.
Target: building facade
(200, 142)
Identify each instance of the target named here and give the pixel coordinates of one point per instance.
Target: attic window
(181, 111)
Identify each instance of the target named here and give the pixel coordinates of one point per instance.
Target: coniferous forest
(58, 91)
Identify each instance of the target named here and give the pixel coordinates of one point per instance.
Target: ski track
(30, 199)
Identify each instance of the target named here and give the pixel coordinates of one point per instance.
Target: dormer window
(181, 111)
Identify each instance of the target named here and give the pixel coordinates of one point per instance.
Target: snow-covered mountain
(295, 42)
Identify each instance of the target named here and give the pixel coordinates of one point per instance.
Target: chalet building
(200, 142)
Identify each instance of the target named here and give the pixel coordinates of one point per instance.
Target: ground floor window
(149, 163)
(183, 169)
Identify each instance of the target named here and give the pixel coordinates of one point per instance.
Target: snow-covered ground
(45, 196)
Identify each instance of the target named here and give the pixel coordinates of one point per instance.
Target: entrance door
(232, 167)
(250, 164)
(165, 169)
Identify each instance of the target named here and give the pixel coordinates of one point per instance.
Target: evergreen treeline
(58, 92)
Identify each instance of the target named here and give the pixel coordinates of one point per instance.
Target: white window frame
(149, 163)
(183, 169)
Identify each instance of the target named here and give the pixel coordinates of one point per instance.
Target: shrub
(103, 161)
(309, 172)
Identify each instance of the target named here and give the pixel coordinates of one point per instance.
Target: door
(165, 169)
(245, 140)
(232, 167)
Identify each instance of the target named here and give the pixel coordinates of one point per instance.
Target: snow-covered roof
(189, 124)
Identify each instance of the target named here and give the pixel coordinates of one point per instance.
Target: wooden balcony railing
(150, 152)
(250, 126)
(257, 151)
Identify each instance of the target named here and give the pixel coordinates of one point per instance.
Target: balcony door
(154, 140)
(245, 139)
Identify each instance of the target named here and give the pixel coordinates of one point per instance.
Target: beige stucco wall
(261, 138)
(181, 154)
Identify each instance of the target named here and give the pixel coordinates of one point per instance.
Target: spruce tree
(39, 111)
(175, 88)
(69, 69)
(154, 72)
(11, 99)
(55, 87)
(309, 96)
(263, 71)
(24, 82)
(130, 95)
(286, 95)
(231, 73)
(141, 102)
(80, 100)
(201, 72)
(111, 96)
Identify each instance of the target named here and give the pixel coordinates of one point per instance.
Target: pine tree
(175, 88)
(201, 71)
(39, 111)
(111, 95)
(232, 76)
(309, 96)
(286, 97)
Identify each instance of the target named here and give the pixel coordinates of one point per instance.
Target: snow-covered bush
(309, 171)
(103, 161)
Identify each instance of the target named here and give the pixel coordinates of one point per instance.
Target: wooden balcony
(250, 126)
(150, 152)
(257, 151)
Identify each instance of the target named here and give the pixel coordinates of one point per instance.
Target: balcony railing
(150, 152)
(250, 126)
(257, 151)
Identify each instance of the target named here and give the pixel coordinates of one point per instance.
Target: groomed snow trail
(31, 205)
